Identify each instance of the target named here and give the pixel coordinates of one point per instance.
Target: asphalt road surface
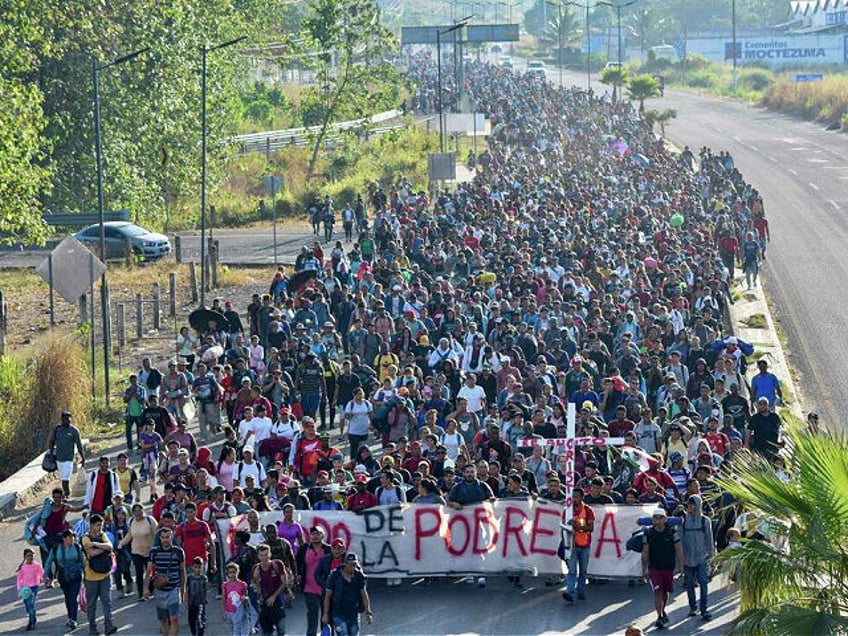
(802, 172)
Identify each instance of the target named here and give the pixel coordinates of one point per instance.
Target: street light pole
(101, 212)
(588, 43)
(733, 20)
(204, 52)
(439, 34)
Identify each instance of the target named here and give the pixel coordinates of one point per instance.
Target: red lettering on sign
(455, 519)
(540, 530)
(609, 521)
(514, 529)
(335, 531)
(421, 531)
(482, 518)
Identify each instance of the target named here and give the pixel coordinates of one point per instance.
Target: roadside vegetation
(57, 369)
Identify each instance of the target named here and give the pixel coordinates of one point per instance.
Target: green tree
(23, 148)
(796, 581)
(147, 105)
(641, 87)
(352, 50)
(615, 77)
(559, 32)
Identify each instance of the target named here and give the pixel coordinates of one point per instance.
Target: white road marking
(792, 171)
(836, 167)
(754, 148)
(817, 160)
(834, 204)
(772, 159)
(813, 186)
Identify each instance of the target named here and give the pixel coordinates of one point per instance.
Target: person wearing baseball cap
(346, 596)
(313, 562)
(662, 557)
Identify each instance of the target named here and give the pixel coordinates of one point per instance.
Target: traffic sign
(807, 77)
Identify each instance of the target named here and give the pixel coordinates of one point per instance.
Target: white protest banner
(503, 537)
(572, 442)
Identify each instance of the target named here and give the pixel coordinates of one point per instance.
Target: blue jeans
(29, 604)
(346, 626)
(699, 573)
(310, 402)
(95, 590)
(578, 565)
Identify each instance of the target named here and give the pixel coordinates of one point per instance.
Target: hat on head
(247, 449)
(658, 512)
(182, 452)
(676, 456)
(323, 473)
(360, 468)
(350, 557)
(338, 543)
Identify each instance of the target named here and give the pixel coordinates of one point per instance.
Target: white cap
(659, 512)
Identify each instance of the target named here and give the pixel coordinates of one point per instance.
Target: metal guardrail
(274, 139)
(80, 219)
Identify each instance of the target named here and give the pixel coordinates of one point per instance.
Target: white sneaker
(481, 582)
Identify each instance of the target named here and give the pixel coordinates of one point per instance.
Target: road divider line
(792, 171)
(813, 186)
(834, 204)
(772, 159)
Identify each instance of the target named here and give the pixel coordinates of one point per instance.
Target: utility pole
(101, 209)
(733, 21)
(204, 52)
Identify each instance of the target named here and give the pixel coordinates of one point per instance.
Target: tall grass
(825, 101)
(33, 394)
(342, 173)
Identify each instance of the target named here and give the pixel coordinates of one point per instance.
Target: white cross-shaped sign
(570, 442)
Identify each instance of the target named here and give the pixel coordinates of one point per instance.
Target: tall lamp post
(204, 51)
(586, 7)
(618, 6)
(439, 34)
(733, 23)
(101, 206)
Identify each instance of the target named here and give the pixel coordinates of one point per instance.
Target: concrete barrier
(25, 483)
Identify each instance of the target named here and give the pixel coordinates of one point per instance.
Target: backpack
(36, 521)
(102, 563)
(381, 417)
(636, 542)
(73, 571)
(147, 517)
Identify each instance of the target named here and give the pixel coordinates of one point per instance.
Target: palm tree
(641, 88)
(559, 32)
(795, 581)
(614, 76)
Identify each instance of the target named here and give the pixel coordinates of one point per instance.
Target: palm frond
(789, 620)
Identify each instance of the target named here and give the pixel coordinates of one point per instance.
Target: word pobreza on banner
(502, 537)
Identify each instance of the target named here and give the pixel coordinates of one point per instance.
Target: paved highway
(802, 172)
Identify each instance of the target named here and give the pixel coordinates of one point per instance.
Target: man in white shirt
(262, 426)
(245, 427)
(248, 466)
(474, 395)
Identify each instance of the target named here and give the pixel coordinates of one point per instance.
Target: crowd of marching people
(417, 361)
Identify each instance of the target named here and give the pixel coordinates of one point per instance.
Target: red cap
(323, 473)
(338, 542)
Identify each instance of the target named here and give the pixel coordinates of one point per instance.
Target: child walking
(30, 576)
(197, 584)
(234, 601)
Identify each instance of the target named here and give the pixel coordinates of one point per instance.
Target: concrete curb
(765, 340)
(25, 483)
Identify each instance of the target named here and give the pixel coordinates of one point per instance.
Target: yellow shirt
(91, 575)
